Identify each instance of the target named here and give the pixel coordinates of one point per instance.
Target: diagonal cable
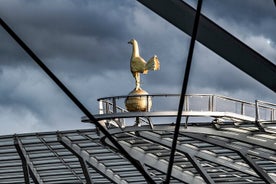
(183, 92)
(136, 163)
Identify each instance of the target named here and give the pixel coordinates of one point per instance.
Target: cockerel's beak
(129, 42)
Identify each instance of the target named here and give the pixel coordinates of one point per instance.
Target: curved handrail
(109, 105)
(175, 95)
(209, 105)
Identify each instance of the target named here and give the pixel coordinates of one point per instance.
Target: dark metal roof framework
(183, 94)
(180, 14)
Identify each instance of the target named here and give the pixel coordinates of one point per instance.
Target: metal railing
(260, 110)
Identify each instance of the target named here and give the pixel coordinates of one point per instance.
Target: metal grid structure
(204, 154)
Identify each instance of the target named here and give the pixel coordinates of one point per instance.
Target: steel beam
(65, 164)
(239, 136)
(183, 92)
(197, 153)
(243, 152)
(200, 169)
(83, 163)
(159, 164)
(85, 171)
(24, 165)
(252, 150)
(92, 161)
(27, 165)
(180, 14)
(227, 133)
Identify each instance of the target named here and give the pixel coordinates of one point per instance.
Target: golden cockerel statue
(139, 65)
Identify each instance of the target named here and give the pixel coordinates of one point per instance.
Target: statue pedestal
(139, 103)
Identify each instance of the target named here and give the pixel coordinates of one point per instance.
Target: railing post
(101, 110)
(211, 103)
(242, 108)
(273, 114)
(114, 106)
(257, 117)
(106, 107)
(186, 105)
(256, 111)
(148, 109)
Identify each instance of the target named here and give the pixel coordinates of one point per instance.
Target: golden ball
(139, 103)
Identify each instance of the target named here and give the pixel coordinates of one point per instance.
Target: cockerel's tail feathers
(153, 63)
(145, 72)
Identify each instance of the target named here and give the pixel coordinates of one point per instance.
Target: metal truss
(92, 161)
(243, 152)
(203, 155)
(192, 152)
(82, 161)
(27, 165)
(161, 165)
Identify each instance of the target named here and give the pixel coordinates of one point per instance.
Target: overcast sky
(85, 44)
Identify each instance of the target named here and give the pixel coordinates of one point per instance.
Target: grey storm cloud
(243, 11)
(94, 33)
(85, 44)
(253, 17)
(57, 30)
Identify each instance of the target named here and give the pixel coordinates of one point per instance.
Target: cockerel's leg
(137, 80)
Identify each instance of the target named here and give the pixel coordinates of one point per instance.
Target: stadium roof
(230, 154)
